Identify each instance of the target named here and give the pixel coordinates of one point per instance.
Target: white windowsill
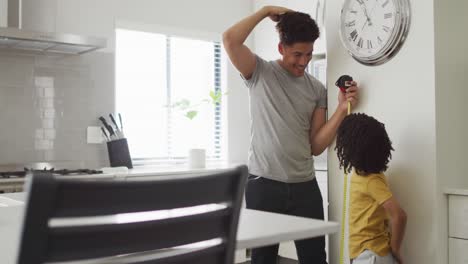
(177, 169)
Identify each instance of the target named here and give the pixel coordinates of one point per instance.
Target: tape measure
(343, 83)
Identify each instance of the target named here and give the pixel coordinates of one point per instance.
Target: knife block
(119, 155)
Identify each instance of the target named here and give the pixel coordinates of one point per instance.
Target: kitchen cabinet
(458, 226)
(458, 253)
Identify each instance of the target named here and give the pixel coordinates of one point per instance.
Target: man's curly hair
(296, 27)
(363, 143)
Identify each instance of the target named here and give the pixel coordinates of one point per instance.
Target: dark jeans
(299, 199)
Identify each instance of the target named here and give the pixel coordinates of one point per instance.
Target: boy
(363, 145)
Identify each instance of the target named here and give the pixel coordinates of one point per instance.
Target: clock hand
(365, 23)
(372, 10)
(363, 6)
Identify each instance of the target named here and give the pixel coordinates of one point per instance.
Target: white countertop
(183, 170)
(456, 191)
(256, 228)
(172, 170)
(149, 170)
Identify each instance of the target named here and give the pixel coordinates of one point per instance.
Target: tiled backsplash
(46, 103)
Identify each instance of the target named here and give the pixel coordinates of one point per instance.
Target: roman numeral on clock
(369, 44)
(351, 23)
(388, 15)
(385, 3)
(385, 28)
(360, 2)
(354, 35)
(360, 43)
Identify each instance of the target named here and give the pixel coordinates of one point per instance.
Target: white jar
(196, 158)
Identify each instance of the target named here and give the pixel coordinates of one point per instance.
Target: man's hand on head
(275, 12)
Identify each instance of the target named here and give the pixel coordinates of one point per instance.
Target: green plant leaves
(182, 104)
(216, 96)
(191, 114)
(188, 108)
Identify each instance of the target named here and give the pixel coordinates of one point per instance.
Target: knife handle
(107, 126)
(121, 124)
(114, 122)
(105, 134)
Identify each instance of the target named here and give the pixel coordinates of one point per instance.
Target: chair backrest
(182, 219)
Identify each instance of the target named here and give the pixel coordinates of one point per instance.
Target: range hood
(15, 37)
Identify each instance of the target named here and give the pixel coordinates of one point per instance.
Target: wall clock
(373, 31)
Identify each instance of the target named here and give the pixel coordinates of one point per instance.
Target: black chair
(180, 219)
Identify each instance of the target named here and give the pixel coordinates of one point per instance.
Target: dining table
(255, 229)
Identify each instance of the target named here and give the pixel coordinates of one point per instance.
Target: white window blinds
(155, 71)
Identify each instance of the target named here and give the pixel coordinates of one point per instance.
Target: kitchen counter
(138, 173)
(15, 184)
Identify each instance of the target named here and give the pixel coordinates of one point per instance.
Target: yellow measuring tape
(343, 213)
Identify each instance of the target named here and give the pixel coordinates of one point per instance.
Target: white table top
(256, 228)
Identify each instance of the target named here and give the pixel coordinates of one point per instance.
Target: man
(289, 125)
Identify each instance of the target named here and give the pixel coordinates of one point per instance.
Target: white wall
(401, 94)
(98, 18)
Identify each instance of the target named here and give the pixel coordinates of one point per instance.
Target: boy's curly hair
(296, 27)
(363, 143)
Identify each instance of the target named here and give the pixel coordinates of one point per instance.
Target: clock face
(373, 30)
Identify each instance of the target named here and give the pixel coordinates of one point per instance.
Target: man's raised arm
(233, 39)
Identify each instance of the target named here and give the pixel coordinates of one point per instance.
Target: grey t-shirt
(281, 106)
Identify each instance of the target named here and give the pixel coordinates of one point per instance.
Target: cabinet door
(458, 253)
(458, 216)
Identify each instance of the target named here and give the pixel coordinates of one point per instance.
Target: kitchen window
(153, 72)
